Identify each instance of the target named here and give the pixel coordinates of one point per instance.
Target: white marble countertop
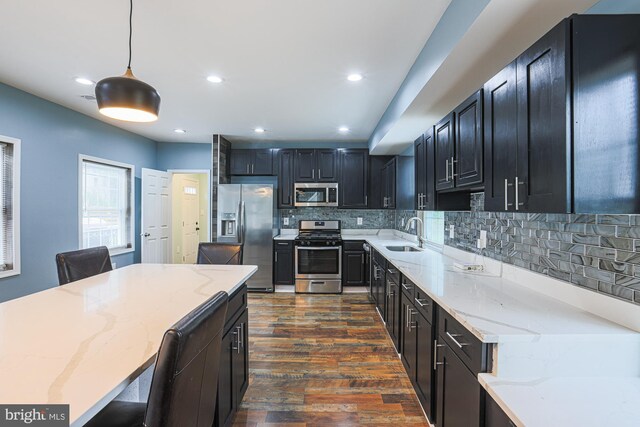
(493, 308)
(567, 401)
(84, 342)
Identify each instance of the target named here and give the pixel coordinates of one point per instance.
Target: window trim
(132, 168)
(16, 270)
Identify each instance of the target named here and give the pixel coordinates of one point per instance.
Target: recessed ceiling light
(180, 131)
(84, 81)
(214, 79)
(354, 77)
(259, 130)
(343, 129)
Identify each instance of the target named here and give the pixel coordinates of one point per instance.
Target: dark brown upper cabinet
(354, 178)
(606, 114)
(468, 165)
(527, 133)
(542, 180)
(445, 146)
(424, 153)
(285, 178)
(500, 138)
(316, 165)
(389, 173)
(252, 162)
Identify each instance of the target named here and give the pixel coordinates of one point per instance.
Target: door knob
(146, 234)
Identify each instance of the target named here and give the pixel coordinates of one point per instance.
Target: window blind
(7, 256)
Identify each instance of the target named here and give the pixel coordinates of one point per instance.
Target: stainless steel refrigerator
(246, 215)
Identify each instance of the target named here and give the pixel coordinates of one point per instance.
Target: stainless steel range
(318, 257)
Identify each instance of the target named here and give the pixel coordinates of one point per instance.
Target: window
(433, 226)
(10, 199)
(106, 205)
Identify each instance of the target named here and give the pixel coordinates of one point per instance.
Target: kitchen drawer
(470, 349)
(237, 303)
(283, 244)
(393, 274)
(408, 288)
(353, 245)
(380, 259)
(423, 303)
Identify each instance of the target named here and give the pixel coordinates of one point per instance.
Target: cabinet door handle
(313, 174)
(459, 344)
(319, 174)
(446, 169)
(247, 168)
(516, 193)
(409, 315)
(435, 354)
(242, 335)
(452, 168)
(237, 341)
(276, 256)
(366, 200)
(239, 333)
(362, 255)
(253, 168)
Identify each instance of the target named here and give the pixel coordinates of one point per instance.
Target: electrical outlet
(451, 231)
(359, 220)
(482, 241)
(285, 221)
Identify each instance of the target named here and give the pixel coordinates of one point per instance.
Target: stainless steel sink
(403, 248)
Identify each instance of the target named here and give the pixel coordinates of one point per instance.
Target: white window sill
(9, 273)
(120, 251)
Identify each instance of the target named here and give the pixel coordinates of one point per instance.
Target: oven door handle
(318, 248)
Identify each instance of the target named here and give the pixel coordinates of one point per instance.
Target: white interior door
(190, 218)
(156, 216)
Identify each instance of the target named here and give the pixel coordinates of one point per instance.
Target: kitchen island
(81, 344)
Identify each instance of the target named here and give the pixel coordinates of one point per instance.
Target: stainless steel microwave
(316, 193)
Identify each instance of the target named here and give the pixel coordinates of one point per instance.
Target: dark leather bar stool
(76, 265)
(220, 253)
(185, 379)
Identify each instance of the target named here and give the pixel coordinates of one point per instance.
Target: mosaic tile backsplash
(371, 218)
(598, 252)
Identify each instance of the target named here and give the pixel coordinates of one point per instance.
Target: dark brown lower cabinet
(283, 262)
(392, 313)
(458, 395)
(354, 272)
(494, 416)
(233, 377)
(424, 373)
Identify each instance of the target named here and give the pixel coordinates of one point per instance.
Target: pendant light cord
(130, 30)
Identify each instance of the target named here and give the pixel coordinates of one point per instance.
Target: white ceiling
(284, 62)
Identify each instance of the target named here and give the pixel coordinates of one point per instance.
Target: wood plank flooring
(323, 360)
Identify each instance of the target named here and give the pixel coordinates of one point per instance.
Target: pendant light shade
(125, 97)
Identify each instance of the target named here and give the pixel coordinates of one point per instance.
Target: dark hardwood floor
(323, 360)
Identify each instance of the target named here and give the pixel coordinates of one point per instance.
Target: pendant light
(125, 97)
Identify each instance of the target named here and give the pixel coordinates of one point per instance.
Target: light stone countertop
(555, 364)
(84, 342)
(567, 401)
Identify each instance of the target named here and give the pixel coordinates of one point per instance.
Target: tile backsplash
(598, 252)
(371, 218)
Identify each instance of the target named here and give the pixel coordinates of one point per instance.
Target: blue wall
(52, 138)
(182, 155)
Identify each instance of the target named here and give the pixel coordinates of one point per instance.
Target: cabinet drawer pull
(391, 271)
(420, 303)
(404, 285)
(459, 344)
(283, 244)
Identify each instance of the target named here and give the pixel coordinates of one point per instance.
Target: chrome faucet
(419, 231)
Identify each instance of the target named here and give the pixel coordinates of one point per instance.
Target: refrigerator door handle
(243, 219)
